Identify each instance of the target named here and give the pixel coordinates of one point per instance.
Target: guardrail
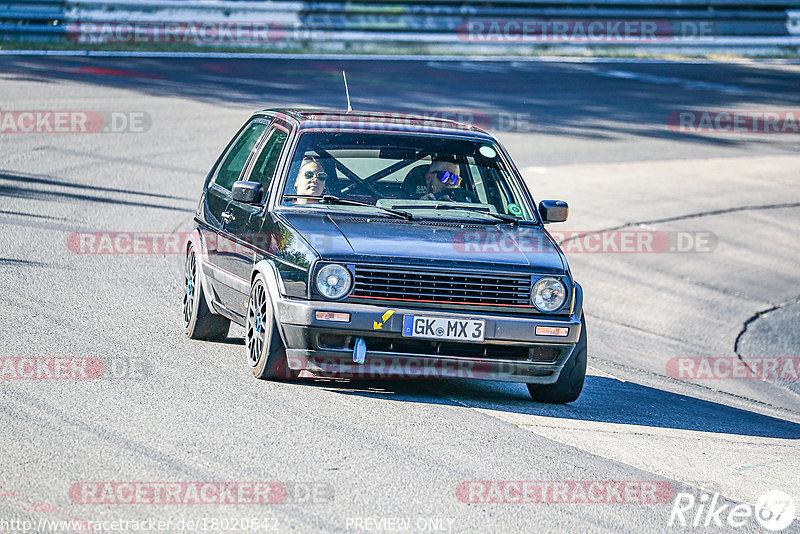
(515, 26)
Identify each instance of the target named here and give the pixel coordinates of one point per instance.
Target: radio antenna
(347, 92)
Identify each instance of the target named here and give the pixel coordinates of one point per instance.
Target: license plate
(443, 328)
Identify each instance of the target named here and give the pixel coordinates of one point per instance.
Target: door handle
(227, 216)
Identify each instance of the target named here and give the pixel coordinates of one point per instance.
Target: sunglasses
(322, 176)
(447, 177)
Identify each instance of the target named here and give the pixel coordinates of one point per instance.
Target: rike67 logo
(774, 511)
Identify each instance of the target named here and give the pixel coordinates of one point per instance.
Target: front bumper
(511, 351)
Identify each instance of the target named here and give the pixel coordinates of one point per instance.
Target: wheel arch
(195, 239)
(577, 308)
(272, 278)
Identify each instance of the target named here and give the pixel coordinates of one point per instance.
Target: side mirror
(552, 211)
(247, 192)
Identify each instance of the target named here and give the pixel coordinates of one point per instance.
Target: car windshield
(424, 175)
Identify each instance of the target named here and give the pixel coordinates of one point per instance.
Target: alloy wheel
(256, 323)
(188, 288)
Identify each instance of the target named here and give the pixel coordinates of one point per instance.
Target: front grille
(499, 289)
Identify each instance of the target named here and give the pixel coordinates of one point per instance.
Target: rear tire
(198, 319)
(570, 382)
(266, 353)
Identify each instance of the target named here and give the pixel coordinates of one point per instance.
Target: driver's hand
(429, 196)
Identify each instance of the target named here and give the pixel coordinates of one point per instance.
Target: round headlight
(333, 281)
(548, 294)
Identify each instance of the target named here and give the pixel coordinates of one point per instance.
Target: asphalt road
(356, 455)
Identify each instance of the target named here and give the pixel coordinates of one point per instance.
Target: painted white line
(669, 80)
(468, 66)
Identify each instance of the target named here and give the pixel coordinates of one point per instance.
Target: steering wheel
(456, 195)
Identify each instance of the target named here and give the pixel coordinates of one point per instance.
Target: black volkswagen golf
(383, 245)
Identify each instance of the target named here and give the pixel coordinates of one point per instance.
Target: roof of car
(380, 121)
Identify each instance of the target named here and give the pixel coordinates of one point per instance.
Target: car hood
(346, 237)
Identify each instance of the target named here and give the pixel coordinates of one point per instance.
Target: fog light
(560, 331)
(336, 317)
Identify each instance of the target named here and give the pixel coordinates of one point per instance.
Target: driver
(310, 180)
(441, 176)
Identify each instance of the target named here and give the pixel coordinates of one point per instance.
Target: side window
(477, 179)
(488, 189)
(231, 167)
(264, 168)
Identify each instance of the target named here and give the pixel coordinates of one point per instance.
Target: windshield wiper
(330, 199)
(482, 211)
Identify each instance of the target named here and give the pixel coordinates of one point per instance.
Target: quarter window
(231, 167)
(265, 165)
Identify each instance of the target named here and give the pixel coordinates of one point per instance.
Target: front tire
(570, 382)
(265, 351)
(198, 319)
